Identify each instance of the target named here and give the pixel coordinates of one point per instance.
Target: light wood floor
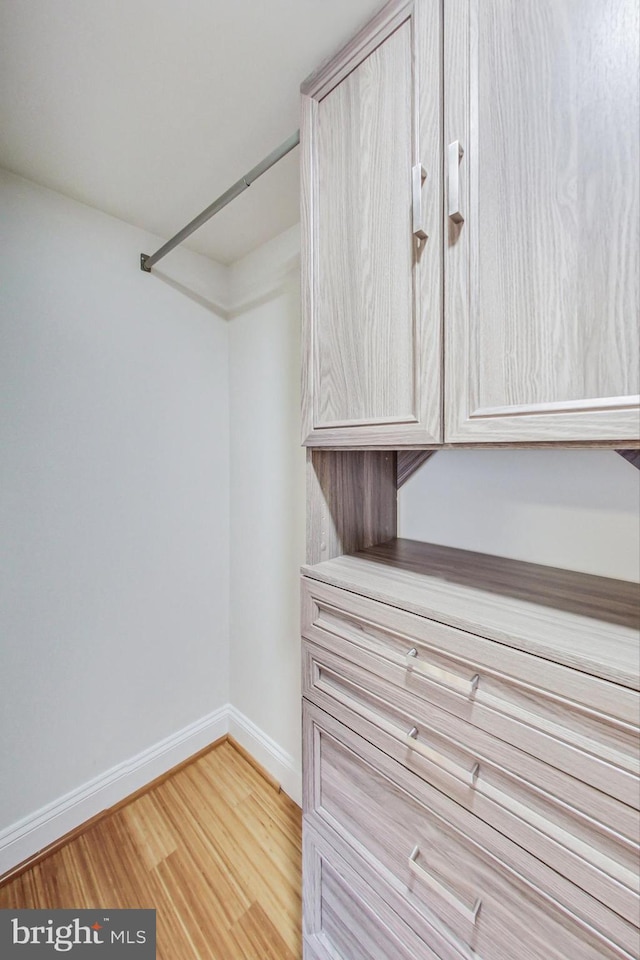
(215, 849)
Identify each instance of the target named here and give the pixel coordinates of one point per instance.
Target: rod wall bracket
(143, 263)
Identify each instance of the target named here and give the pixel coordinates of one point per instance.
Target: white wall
(569, 508)
(267, 505)
(114, 497)
(152, 472)
(578, 509)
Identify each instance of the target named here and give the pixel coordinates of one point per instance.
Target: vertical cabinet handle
(418, 176)
(455, 155)
(469, 913)
(459, 684)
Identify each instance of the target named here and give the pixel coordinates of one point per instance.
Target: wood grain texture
(542, 278)
(308, 261)
(584, 641)
(364, 318)
(614, 601)
(214, 849)
(339, 65)
(565, 823)
(409, 461)
(351, 501)
(632, 456)
(382, 811)
(83, 827)
(351, 920)
(581, 724)
(371, 295)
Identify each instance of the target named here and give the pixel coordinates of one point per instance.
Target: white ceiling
(149, 109)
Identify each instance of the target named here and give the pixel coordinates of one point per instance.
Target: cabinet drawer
(579, 723)
(585, 835)
(446, 864)
(347, 919)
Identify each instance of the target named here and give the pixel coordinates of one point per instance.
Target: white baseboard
(276, 761)
(26, 837)
(33, 833)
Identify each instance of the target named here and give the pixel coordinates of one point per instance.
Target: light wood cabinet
(542, 333)
(372, 292)
(471, 754)
(348, 919)
(516, 321)
(470, 250)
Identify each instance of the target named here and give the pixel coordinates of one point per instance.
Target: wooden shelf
(586, 622)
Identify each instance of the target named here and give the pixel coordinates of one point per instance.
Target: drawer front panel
(581, 724)
(348, 919)
(487, 891)
(545, 811)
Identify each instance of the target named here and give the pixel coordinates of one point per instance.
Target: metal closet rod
(148, 260)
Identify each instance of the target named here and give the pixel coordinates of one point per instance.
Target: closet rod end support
(143, 263)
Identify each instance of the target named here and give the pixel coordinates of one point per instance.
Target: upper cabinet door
(372, 236)
(541, 220)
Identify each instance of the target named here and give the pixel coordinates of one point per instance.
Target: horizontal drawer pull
(467, 776)
(469, 913)
(447, 679)
(573, 842)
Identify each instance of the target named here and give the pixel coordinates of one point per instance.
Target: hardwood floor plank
(202, 918)
(202, 844)
(284, 857)
(214, 848)
(259, 939)
(241, 857)
(234, 777)
(153, 836)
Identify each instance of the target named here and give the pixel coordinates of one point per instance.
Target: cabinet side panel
(351, 501)
(308, 267)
